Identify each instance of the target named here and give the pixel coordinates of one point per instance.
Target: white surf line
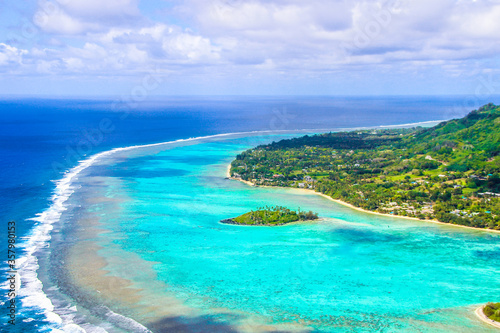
(344, 129)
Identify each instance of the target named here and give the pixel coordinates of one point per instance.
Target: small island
(490, 314)
(492, 311)
(272, 216)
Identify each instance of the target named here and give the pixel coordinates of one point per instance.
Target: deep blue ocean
(40, 139)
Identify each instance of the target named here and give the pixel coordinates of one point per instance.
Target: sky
(257, 47)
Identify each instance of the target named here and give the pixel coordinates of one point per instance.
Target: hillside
(449, 172)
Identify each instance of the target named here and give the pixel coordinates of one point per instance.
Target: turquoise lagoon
(156, 213)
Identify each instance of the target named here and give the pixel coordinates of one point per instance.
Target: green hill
(467, 143)
(449, 172)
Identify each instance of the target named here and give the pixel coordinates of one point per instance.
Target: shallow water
(150, 218)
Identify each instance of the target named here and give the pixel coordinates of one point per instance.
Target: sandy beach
(357, 208)
(480, 314)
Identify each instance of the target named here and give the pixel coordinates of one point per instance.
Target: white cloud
(248, 16)
(70, 17)
(58, 21)
(278, 36)
(480, 21)
(99, 8)
(74, 64)
(10, 55)
(291, 30)
(125, 51)
(48, 67)
(189, 47)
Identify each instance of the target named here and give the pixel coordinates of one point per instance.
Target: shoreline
(343, 203)
(480, 314)
(41, 234)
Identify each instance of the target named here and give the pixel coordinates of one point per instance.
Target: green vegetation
(450, 172)
(492, 311)
(272, 216)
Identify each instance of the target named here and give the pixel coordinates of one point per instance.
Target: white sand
(480, 314)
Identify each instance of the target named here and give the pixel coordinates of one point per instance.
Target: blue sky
(259, 47)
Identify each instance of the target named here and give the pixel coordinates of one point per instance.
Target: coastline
(480, 314)
(40, 237)
(343, 203)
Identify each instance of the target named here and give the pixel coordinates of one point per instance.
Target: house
(302, 185)
(308, 179)
(490, 194)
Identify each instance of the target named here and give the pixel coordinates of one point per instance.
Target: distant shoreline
(357, 208)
